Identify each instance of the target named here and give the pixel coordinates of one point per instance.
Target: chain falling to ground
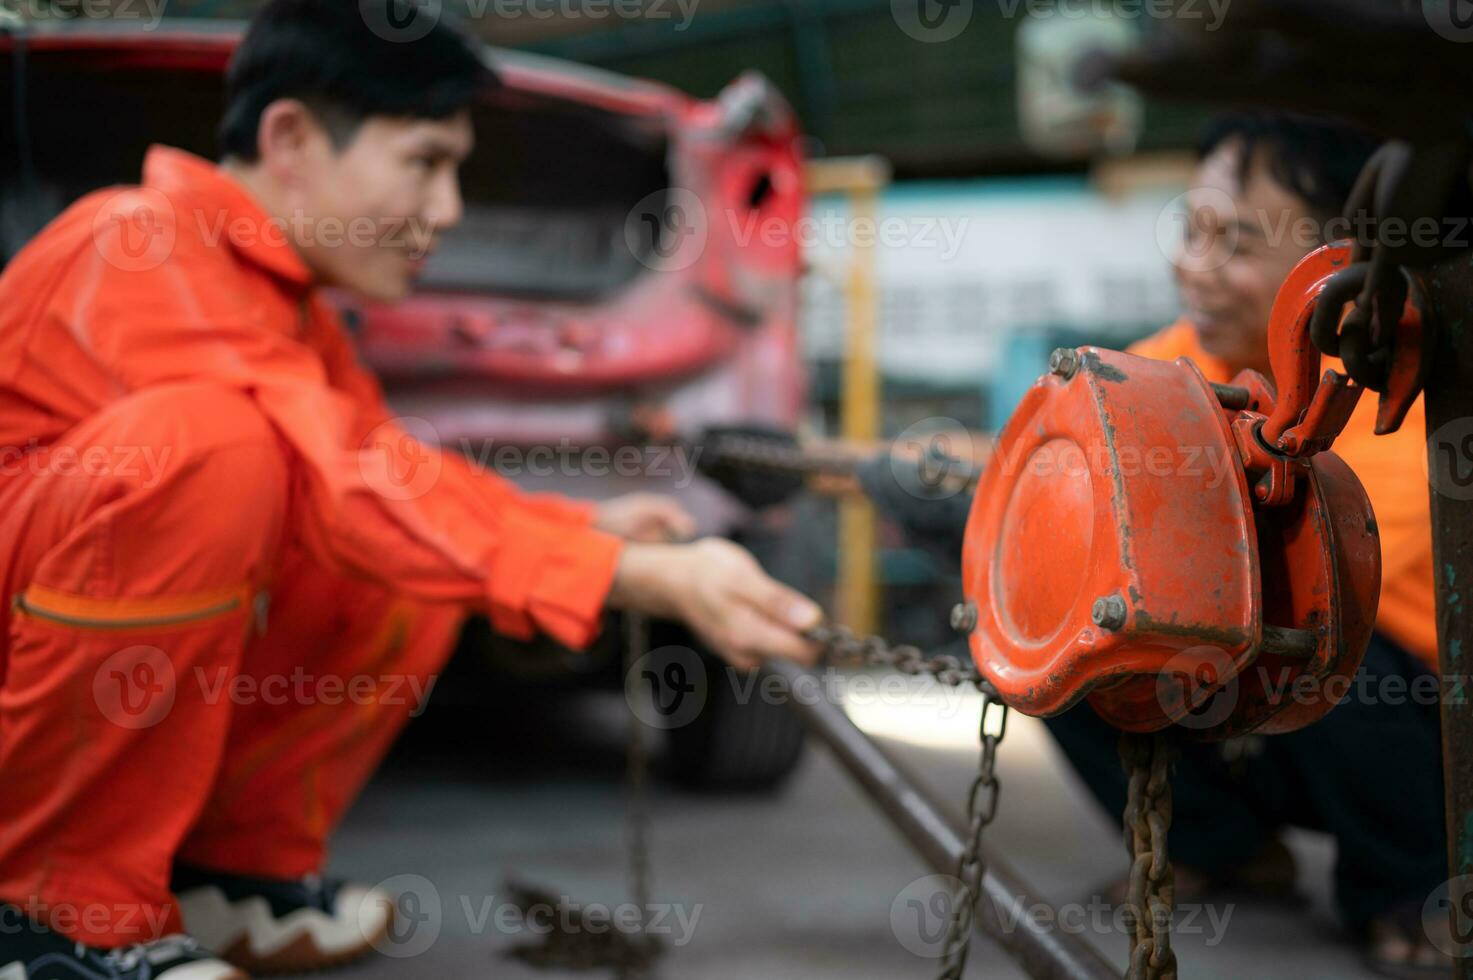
(580, 945)
(842, 646)
(1151, 899)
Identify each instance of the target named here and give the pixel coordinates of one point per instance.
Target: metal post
(1045, 953)
(861, 179)
(1449, 403)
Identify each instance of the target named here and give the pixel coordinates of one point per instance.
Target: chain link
(780, 456)
(981, 810)
(593, 946)
(1151, 898)
(644, 948)
(842, 646)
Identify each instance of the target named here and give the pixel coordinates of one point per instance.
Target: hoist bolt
(1109, 612)
(964, 617)
(1064, 362)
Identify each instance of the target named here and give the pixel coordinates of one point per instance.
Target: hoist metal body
(1178, 552)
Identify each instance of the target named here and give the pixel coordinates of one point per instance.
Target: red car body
(623, 247)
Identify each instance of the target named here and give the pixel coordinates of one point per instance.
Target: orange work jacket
(185, 279)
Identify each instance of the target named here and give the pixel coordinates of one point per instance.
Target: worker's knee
(192, 471)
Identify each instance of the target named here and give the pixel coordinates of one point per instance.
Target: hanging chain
(579, 945)
(633, 955)
(981, 809)
(644, 947)
(1151, 899)
(842, 646)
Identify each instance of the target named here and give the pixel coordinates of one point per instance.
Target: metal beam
(1449, 403)
(1044, 952)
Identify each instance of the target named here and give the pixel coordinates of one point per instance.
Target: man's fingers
(755, 637)
(679, 524)
(781, 604)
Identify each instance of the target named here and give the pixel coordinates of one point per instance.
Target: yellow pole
(861, 179)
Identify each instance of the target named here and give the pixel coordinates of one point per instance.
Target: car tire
(740, 741)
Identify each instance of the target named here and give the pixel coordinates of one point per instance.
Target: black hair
(348, 60)
(1315, 159)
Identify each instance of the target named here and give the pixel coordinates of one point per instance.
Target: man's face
(375, 208)
(1244, 234)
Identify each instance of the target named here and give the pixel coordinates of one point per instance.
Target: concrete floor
(797, 885)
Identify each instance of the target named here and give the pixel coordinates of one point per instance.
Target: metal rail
(1449, 402)
(1044, 952)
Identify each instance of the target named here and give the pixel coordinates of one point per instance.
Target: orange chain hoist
(1149, 540)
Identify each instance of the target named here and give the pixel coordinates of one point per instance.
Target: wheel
(740, 741)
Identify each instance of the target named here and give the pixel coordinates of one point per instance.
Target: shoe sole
(240, 930)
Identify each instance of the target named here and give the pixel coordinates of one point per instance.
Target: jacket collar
(225, 204)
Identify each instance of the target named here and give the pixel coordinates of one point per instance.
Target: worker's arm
(635, 517)
(382, 505)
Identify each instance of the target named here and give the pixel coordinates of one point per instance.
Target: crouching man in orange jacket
(219, 492)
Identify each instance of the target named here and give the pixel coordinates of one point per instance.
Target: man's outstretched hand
(720, 592)
(648, 517)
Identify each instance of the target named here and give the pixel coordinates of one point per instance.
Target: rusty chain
(766, 453)
(1151, 899)
(630, 955)
(841, 645)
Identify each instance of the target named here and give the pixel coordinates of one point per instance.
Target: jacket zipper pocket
(110, 613)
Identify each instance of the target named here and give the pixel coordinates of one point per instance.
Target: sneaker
(30, 951)
(270, 925)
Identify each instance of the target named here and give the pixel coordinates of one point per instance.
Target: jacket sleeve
(345, 373)
(378, 503)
